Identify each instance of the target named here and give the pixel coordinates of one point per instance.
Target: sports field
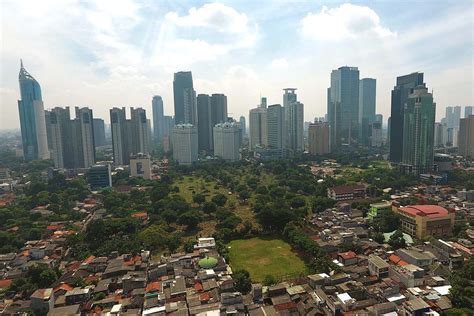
(261, 257)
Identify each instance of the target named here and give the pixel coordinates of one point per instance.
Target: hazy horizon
(122, 53)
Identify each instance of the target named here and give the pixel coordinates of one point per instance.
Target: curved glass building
(32, 119)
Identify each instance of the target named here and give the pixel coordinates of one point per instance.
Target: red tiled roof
(198, 286)
(347, 255)
(89, 259)
(285, 306)
(394, 259)
(402, 263)
(5, 283)
(204, 297)
(140, 215)
(153, 287)
(63, 286)
(432, 211)
(347, 189)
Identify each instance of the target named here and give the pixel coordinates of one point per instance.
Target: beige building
(140, 166)
(318, 138)
(425, 220)
(466, 137)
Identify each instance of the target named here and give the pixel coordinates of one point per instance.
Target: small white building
(207, 242)
(140, 166)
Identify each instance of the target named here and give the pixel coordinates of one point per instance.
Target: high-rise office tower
(263, 102)
(140, 131)
(218, 112)
(99, 132)
(466, 137)
(276, 128)
(55, 143)
(59, 124)
(118, 127)
(318, 138)
(440, 135)
(243, 126)
(169, 124)
(184, 98)
(418, 126)
(258, 127)
(129, 136)
(204, 125)
(158, 115)
(404, 87)
(32, 118)
(289, 96)
(467, 111)
(367, 94)
(379, 118)
(185, 144)
(83, 138)
(453, 115)
(294, 120)
(343, 106)
(375, 136)
(227, 141)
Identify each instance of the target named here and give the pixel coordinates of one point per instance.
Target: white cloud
(279, 63)
(212, 15)
(347, 21)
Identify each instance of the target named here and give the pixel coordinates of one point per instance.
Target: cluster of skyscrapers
(201, 124)
(277, 131)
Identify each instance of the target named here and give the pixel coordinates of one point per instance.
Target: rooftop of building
(431, 211)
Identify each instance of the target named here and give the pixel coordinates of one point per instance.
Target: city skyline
(119, 72)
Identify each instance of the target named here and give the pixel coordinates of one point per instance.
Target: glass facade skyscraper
(184, 98)
(343, 106)
(32, 118)
(418, 125)
(404, 87)
(367, 95)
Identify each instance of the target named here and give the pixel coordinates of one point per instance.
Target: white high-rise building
(227, 141)
(294, 120)
(185, 144)
(276, 127)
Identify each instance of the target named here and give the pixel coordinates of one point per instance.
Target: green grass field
(261, 257)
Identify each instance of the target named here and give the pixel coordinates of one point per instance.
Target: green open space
(262, 257)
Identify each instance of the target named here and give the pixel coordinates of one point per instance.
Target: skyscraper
(243, 126)
(318, 138)
(140, 131)
(453, 115)
(258, 127)
(404, 87)
(466, 137)
(467, 111)
(343, 106)
(227, 141)
(129, 136)
(294, 120)
(158, 114)
(184, 98)
(185, 144)
(367, 94)
(99, 132)
(60, 126)
(32, 118)
(204, 125)
(83, 138)
(418, 125)
(276, 129)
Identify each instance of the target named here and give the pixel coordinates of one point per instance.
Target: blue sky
(121, 53)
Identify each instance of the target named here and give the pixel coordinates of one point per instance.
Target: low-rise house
(347, 258)
(78, 295)
(416, 256)
(42, 300)
(378, 266)
(409, 275)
